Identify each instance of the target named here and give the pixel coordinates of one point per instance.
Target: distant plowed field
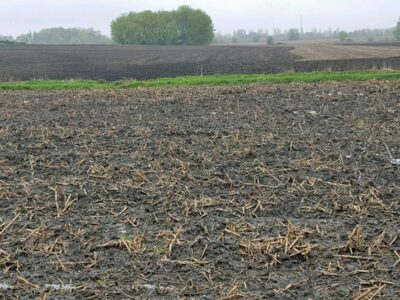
(324, 52)
(26, 62)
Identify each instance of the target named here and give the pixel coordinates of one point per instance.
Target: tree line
(64, 36)
(59, 36)
(184, 26)
(278, 35)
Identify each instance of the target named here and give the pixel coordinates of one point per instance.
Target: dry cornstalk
(192, 262)
(398, 260)
(135, 245)
(27, 282)
(378, 243)
(370, 293)
(9, 224)
(356, 239)
(292, 245)
(234, 292)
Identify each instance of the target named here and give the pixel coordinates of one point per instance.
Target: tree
(270, 40)
(343, 36)
(396, 31)
(195, 27)
(64, 36)
(293, 34)
(145, 28)
(183, 26)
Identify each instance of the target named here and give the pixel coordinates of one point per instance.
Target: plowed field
(334, 52)
(282, 191)
(111, 63)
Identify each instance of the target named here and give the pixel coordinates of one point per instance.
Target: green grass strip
(209, 80)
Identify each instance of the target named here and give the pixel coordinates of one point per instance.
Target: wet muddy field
(281, 191)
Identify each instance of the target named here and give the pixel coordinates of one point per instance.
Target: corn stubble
(225, 192)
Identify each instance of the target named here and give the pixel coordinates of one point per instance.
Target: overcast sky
(21, 16)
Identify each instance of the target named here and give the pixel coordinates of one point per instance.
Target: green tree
(183, 26)
(396, 31)
(343, 36)
(293, 34)
(145, 28)
(64, 36)
(195, 27)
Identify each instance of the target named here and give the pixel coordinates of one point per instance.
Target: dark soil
(138, 62)
(26, 62)
(283, 192)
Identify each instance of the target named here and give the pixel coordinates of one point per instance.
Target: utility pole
(301, 25)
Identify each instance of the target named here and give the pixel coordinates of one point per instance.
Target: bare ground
(334, 52)
(283, 191)
(116, 62)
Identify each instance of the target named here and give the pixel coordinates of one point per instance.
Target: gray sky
(21, 16)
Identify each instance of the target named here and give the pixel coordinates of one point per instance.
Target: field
(229, 192)
(348, 51)
(111, 63)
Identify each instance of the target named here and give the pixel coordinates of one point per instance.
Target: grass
(209, 80)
